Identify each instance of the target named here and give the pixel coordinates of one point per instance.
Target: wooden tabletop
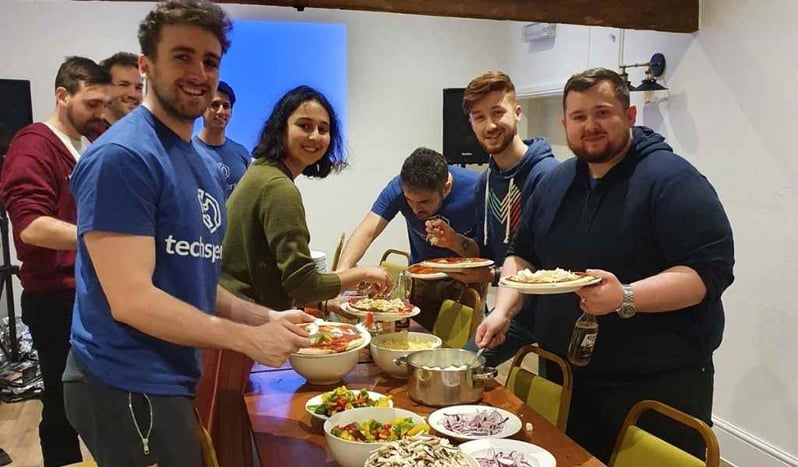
(286, 435)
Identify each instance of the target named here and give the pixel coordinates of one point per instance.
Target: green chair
(394, 268)
(455, 321)
(636, 447)
(551, 400)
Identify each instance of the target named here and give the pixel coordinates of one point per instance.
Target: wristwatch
(627, 308)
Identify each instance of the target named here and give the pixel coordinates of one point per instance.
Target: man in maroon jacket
(34, 188)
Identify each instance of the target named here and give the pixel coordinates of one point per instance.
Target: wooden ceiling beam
(661, 15)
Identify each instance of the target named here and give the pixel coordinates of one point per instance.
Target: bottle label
(588, 342)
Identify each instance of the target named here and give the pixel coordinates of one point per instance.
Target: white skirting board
(742, 449)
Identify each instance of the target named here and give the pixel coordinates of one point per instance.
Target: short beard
(88, 128)
(604, 156)
(504, 144)
(171, 109)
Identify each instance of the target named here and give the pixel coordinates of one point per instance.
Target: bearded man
(34, 188)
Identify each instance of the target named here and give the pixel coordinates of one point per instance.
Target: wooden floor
(19, 433)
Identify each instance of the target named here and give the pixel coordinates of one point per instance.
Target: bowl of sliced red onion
(493, 452)
(468, 422)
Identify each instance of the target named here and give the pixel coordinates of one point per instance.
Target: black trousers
(114, 423)
(48, 315)
(599, 407)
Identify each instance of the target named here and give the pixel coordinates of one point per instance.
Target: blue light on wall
(268, 58)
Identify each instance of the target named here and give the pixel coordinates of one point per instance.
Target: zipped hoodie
(34, 183)
(499, 212)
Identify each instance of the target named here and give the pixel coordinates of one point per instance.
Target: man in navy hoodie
(644, 220)
(34, 187)
(515, 169)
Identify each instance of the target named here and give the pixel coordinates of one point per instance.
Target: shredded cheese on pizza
(397, 305)
(545, 276)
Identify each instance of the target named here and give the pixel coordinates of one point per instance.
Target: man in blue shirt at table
(232, 157)
(426, 188)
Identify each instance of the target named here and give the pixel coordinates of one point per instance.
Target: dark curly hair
(425, 169)
(271, 144)
(200, 13)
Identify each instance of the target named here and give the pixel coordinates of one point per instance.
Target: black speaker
(15, 109)
(460, 145)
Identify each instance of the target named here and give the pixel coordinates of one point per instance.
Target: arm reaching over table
(492, 330)
(369, 229)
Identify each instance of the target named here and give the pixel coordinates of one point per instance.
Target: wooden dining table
(285, 435)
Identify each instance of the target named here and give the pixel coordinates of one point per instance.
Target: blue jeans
(518, 335)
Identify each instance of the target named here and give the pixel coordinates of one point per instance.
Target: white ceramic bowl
(354, 453)
(329, 368)
(384, 357)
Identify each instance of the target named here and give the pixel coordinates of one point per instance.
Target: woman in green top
(265, 253)
(265, 256)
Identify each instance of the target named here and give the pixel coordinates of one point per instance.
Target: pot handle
(400, 361)
(488, 373)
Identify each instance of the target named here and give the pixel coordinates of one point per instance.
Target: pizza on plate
(421, 270)
(458, 260)
(547, 276)
(382, 305)
(331, 338)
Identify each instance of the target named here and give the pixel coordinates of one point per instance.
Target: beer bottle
(403, 291)
(583, 340)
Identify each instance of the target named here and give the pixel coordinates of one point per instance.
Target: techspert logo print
(212, 220)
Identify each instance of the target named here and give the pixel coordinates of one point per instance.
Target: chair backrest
(454, 322)
(549, 399)
(337, 256)
(393, 267)
(636, 446)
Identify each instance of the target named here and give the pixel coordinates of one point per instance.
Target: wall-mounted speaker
(460, 145)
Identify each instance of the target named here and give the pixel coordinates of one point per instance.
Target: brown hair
(76, 70)
(200, 13)
(585, 80)
(483, 84)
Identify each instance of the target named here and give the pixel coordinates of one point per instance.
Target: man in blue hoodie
(653, 229)
(514, 171)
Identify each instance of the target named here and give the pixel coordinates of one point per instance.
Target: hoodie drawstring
(485, 217)
(509, 212)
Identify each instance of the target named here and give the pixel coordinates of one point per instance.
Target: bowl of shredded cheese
(387, 347)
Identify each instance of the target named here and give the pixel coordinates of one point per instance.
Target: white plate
(535, 455)
(424, 276)
(455, 267)
(317, 400)
(549, 288)
(379, 315)
(435, 419)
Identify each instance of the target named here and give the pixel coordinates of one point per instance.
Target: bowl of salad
(354, 434)
(342, 398)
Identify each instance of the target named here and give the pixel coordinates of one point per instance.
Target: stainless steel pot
(430, 385)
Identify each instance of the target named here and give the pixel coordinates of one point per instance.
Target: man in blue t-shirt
(150, 224)
(232, 157)
(426, 188)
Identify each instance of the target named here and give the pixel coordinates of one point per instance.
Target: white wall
(397, 64)
(732, 113)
